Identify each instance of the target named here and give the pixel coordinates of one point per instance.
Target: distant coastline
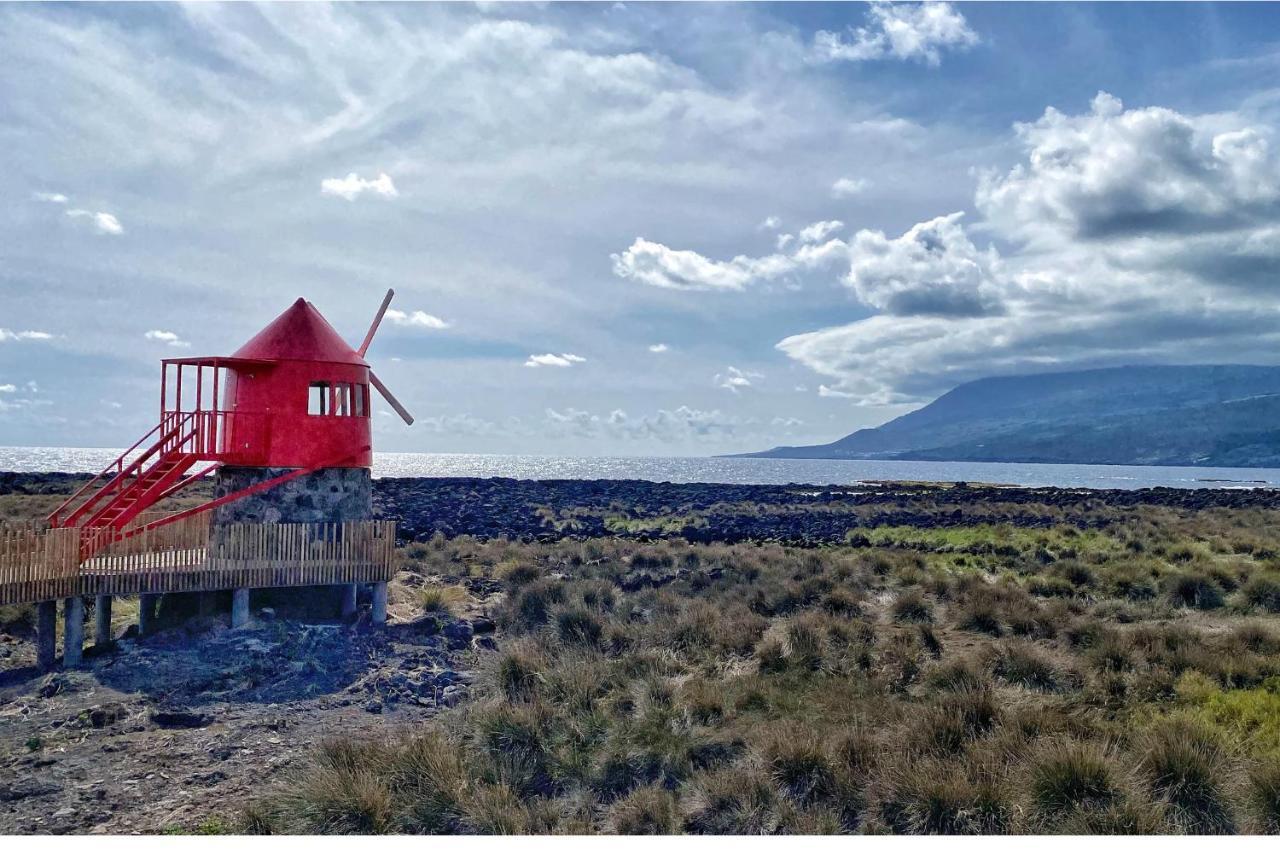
(729, 470)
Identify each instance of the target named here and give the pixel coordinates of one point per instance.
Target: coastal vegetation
(1119, 676)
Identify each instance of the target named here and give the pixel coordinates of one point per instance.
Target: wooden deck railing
(188, 557)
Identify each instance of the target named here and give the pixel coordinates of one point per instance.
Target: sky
(632, 229)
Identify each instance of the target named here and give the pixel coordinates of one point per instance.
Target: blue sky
(632, 228)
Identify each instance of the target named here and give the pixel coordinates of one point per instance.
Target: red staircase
(134, 482)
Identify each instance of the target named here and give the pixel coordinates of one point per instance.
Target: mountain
(1202, 415)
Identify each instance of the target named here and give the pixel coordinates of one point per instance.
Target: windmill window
(361, 400)
(318, 399)
(342, 399)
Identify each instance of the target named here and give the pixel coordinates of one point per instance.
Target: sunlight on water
(722, 470)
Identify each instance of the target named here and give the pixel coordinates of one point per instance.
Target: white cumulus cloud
(916, 31)
(419, 319)
(658, 348)
(819, 231)
(172, 339)
(52, 198)
(734, 379)
(552, 360)
(845, 188)
(24, 335)
(353, 186)
(105, 223)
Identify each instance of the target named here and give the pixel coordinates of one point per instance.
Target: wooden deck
(42, 565)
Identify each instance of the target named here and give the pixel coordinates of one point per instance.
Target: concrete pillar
(102, 620)
(46, 634)
(239, 607)
(147, 603)
(348, 601)
(72, 631)
(380, 602)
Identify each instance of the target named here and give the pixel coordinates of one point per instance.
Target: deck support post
(380, 603)
(147, 603)
(102, 620)
(348, 601)
(46, 634)
(239, 607)
(72, 631)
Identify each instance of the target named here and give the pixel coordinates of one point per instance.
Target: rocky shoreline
(549, 510)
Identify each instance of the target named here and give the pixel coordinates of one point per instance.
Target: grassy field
(1111, 677)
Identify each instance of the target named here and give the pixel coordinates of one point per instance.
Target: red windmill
(293, 400)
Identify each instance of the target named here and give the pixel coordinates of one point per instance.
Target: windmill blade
(377, 320)
(390, 398)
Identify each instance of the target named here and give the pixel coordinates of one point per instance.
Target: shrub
(940, 799)
(648, 811)
(1020, 663)
(1263, 795)
(1193, 590)
(530, 606)
(804, 644)
(1180, 760)
(955, 719)
(518, 673)
(344, 801)
(911, 607)
(579, 627)
(517, 574)
(842, 602)
(959, 673)
(771, 656)
(1048, 585)
(1074, 572)
(1263, 592)
(442, 600)
(1072, 775)
(731, 801)
(798, 765)
(981, 616)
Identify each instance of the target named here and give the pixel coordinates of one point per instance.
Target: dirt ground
(173, 733)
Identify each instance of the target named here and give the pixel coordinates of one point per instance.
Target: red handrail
(118, 465)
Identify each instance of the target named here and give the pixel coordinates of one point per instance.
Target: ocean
(725, 470)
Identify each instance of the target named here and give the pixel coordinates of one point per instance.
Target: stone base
(325, 495)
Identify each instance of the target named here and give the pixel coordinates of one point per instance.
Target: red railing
(220, 435)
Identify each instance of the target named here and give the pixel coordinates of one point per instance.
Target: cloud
(1112, 173)
(770, 223)
(828, 391)
(1140, 235)
(819, 231)
(172, 339)
(353, 186)
(52, 198)
(14, 404)
(684, 270)
(658, 348)
(551, 360)
(845, 188)
(24, 335)
(916, 31)
(734, 379)
(419, 319)
(105, 223)
(933, 268)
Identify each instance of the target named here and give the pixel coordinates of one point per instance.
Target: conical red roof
(300, 333)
